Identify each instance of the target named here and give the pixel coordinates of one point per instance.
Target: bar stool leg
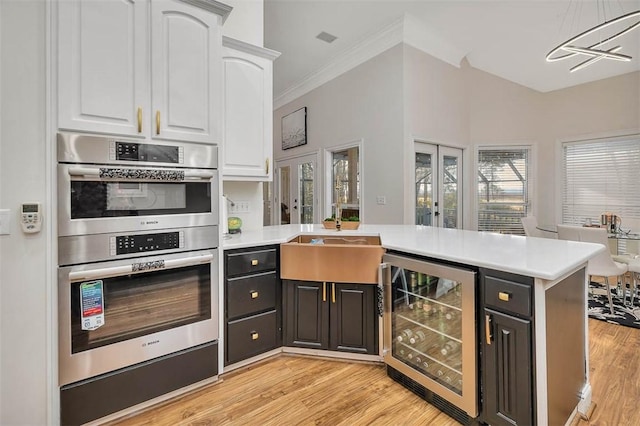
(606, 281)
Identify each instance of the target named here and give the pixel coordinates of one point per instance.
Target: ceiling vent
(329, 38)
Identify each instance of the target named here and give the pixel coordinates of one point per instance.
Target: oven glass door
(113, 309)
(92, 199)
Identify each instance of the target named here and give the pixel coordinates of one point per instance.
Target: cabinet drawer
(251, 336)
(247, 295)
(508, 296)
(250, 262)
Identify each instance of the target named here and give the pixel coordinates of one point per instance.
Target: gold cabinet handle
(158, 122)
(254, 294)
(504, 296)
(254, 262)
(139, 120)
(324, 292)
(487, 328)
(333, 292)
(266, 166)
(255, 335)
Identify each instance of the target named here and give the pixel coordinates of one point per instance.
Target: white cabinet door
(102, 65)
(185, 72)
(248, 111)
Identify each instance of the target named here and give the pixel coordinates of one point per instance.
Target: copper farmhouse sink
(329, 258)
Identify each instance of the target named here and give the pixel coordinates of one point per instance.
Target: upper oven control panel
(78, 148)
(126, 244)
(131, 151)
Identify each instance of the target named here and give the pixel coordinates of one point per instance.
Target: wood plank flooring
(296, 390)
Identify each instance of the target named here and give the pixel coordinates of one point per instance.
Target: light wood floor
(293, 390)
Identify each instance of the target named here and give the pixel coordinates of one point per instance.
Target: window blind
(601, 176)
(504, 187)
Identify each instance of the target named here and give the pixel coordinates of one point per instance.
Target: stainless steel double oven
(137, 253)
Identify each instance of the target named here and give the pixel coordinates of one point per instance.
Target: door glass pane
(285, 195)
(450, 192)
(266, 203)
(305, 172)
(346, 181)
(424, 189)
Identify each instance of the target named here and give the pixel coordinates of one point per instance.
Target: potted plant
(351, 222)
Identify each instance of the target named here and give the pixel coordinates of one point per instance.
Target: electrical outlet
(239, 207)
(381, 199)
(5, 222)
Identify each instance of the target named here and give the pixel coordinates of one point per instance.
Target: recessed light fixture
(324, 36)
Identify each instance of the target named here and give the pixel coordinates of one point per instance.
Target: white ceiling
(507, 38)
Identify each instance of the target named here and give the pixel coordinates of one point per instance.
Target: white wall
(246, 21)
(25, 282)
(503, 113)
(462, 107)
(437, 112)
(246, 191)
(604, 108)
(364, 103)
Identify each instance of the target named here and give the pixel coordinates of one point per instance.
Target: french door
(296, 190)
(438, 185)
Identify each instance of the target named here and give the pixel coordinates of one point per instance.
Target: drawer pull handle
(254, 335)
(487, 328)
(324, 292)
(504, 296)
(254, 262)
(254, 294)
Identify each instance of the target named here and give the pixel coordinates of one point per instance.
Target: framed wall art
(294, 129)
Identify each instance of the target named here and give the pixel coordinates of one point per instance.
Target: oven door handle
(137, 268)
(94, 172)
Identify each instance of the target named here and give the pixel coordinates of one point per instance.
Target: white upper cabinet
(248, 111)
(185, 70)
(145, 68)
(102, 65)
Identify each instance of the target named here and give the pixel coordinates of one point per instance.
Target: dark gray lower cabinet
(252, 302)
(507, 361)
(507, 348)
(332, 316)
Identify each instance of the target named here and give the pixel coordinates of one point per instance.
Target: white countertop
(535, 257)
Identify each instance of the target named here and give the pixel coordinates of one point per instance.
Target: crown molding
(366, 49)
(405, 29)
(212, 6)
(243, 46)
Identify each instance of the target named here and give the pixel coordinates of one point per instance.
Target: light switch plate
(5, 222)
(239, 207)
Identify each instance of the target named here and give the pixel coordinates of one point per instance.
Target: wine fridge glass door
(430, 327)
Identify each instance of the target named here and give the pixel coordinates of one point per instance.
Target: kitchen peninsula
(546, 282)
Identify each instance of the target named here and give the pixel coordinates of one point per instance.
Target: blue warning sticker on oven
(91, 305)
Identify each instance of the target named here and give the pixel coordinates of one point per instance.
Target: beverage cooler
(430, 332)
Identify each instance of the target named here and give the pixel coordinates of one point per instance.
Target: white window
(504, 188)
(601, 176)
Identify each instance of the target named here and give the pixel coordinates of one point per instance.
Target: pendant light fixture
(596, 44)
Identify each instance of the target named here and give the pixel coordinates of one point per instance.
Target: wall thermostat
(31, 217)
